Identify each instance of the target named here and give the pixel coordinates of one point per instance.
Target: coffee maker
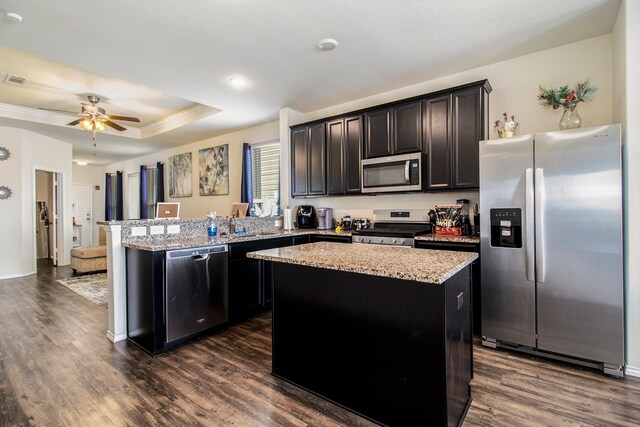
(325, 218)
(306, 216)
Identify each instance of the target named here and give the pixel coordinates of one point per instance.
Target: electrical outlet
(173, 229)
(156, 229)
(138, 231)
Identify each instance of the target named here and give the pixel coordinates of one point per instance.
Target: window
(152, 191)
(265, 171)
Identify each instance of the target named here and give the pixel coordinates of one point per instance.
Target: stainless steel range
(396, 227)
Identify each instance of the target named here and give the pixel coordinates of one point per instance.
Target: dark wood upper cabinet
(299, 159)
(467, 133)
(344, 151)
(308, 160)
(378, 133)
(394, 130)
(437, 130)
(407, 128)
(446, 125)
(454, 124)
(317, 160)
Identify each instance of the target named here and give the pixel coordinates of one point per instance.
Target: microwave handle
(406, 171)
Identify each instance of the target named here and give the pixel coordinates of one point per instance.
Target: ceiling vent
(14, 80)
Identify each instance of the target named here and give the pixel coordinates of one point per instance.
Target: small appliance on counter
(465, 223)
(325, 218)
(346, 222)
(306, 216)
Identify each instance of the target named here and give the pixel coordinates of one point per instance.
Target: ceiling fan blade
(75, 122)
(60, 111)
(125, 118)
(114, 125)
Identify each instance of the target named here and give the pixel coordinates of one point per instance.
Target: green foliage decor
(565, 97)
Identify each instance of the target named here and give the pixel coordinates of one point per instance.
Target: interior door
(54, 220)
(82, 212)
(579, 243)
(508, 286)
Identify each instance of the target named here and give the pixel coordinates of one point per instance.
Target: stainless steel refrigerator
(551, 245)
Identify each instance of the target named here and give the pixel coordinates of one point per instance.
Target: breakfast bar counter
(382, 331)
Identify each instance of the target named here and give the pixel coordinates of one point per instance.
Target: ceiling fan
(94, 118)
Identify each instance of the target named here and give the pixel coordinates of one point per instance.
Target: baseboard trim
(116, 338)
(632, 371)
(15, 276)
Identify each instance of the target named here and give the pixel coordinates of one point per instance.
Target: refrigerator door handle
(539, 208)
(529, 224)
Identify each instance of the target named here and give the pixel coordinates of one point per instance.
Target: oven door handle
(406, 171)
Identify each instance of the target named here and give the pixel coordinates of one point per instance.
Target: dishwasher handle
(201, 257)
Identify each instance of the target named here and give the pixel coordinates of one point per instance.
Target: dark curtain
(246, 195)
(107, 198)
(143, 192)
(119, 197)
(160, 186)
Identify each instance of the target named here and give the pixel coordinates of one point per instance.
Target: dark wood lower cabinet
(475, 273)
(395, 351)
(250, 280)
(330, 238)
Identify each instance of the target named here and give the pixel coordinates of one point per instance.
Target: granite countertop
(420, 265)
(164, 243)
(453, 239)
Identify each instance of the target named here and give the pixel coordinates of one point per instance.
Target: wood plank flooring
(58, 368)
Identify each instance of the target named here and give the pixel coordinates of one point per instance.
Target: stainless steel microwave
(404, 172)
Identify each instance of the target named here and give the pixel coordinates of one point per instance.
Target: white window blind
(152, 190)
(265, 170)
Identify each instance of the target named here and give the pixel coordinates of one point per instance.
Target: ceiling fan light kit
(95, 119)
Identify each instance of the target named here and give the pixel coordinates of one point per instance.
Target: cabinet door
(437, 129)
(353, 141)
(244, 288)
(299, 159)
(407, 128)
(378, 133)
(335, 157)
(467, 133)
(316, 162)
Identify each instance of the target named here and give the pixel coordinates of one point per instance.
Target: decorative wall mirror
(5, 192)
(4, 153)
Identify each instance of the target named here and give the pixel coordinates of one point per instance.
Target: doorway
(81, 209)
(48, 198)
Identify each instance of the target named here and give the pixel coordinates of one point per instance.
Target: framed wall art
(214, 170)
(180, 171)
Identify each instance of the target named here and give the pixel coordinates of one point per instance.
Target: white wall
(30, 152)
(94, 176)
(515, 87)
(197, 206)
(627, 110)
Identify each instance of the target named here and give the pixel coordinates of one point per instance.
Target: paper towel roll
(288, 219)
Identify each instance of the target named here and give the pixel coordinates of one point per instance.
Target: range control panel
(506, 227)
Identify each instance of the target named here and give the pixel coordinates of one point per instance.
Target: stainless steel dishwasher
(196, 290)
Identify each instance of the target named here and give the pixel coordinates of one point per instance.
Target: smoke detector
(328, 44)
(14, 80)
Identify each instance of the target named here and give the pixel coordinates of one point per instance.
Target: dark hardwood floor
(58, 368)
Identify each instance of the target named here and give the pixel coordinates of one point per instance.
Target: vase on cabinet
(570, 119)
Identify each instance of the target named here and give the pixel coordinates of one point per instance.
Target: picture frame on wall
(180, 173)
(214, 170)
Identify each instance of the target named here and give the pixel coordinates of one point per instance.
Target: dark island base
(394, 351)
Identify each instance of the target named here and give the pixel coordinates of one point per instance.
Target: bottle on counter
(212, 230)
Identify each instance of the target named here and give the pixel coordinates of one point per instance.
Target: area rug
(92, 286)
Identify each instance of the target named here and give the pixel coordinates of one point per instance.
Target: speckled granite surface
(420, 265)
(163, 243)
(456, 239)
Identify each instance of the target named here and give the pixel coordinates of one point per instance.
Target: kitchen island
(382, 331)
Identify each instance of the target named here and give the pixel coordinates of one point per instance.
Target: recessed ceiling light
(328, 44)
(81, 163)
(237, 82)
(14, 17)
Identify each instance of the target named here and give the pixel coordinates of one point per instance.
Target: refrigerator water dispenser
(506, 228)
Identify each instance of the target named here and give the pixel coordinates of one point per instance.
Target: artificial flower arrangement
(565, 97)
(507, 127)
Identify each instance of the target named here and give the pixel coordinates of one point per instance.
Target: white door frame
(57, 214)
